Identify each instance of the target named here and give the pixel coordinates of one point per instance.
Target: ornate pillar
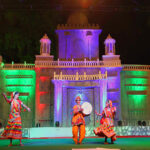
(58, 101)
(65, 108)
(96, 104)
(37, 97)
(103, 94)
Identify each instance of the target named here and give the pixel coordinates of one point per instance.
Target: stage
(60, 132)
(59, 138)
(123, 143)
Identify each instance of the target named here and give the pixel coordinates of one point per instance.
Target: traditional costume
(107, 123)
(13, 129)
(78, 123)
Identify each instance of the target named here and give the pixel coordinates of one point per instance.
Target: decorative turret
(45, 50)
(45, 45)
(109, 45)
(110, 51)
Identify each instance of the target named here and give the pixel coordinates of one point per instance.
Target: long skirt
(14, 127)
(105, 130)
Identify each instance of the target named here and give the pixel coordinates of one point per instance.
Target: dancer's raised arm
(8, 100)
(26, 107)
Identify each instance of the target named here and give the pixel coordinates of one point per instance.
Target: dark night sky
(128, 21)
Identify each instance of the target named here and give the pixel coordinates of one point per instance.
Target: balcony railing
(80, 77)
(72, 64)
(18, 66)
(76, 64)
(136, 67)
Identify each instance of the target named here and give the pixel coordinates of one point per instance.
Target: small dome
(45, 39)
(45, 36)
(109, 37)
(77, 18)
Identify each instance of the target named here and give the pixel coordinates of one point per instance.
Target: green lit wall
(135, 95)
(24, 82)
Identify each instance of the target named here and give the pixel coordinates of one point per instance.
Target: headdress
(109, 102)
(13, 94)
(78, 98)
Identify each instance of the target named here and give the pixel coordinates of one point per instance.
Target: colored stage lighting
(38, 125)
(85, 3)
(143, 123)
(139, 123)
(57, 123)
(119, 123)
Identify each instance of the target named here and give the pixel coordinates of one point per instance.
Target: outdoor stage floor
(123, 143)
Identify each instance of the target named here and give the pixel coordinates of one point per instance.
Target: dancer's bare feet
(76, 142)
(21, 144)
(79, 142)
(105, 142)
(112, 142)
(10, 144)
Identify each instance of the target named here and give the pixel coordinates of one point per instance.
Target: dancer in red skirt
(107, 123)
(13, 129)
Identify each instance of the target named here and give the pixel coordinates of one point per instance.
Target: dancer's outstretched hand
(3, 94)
(97, 113)
(28, 109)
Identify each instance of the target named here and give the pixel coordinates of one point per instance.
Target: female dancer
(78, 122)
(107, 123)
(13, 129)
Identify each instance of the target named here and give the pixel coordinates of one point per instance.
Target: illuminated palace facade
(49, 86)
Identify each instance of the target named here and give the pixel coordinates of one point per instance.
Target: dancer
(107, 123)
(13, 129)
(78, 122)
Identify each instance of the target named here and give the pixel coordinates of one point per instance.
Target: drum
(87, 108)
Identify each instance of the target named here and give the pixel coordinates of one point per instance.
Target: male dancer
(78, 122)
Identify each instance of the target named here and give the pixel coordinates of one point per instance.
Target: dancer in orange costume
(78, 122)
(13, 129)
(107, 123)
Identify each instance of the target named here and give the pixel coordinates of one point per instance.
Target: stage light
(85, 3)
(57, 123)
(119, 123)
(139, 123)
(143, 123)
(38, 125)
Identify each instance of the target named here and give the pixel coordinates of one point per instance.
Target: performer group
(106, 123)
(13, 130)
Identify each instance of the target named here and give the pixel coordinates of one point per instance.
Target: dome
(77, 18)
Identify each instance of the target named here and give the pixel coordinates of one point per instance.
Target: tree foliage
(20, 34)
(21, 31)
